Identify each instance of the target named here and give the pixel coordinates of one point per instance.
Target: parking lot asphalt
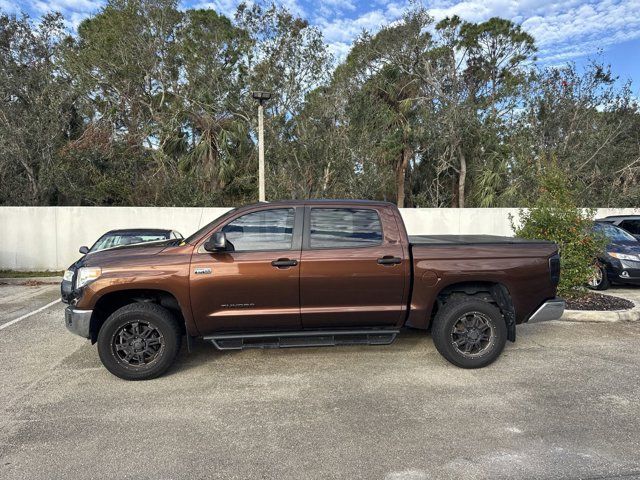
(562, 402)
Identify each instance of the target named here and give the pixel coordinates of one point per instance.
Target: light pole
(261, 97)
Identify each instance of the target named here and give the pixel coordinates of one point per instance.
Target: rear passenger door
(352, 269)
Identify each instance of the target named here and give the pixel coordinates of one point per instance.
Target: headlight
(87, 275)
(624, 256)
(68, 276)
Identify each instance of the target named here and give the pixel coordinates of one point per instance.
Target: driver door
(254, 286)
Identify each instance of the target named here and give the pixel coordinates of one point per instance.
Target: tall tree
(386, 99)
(288, 58)
(36, 112)
(473, 75)
(209, 127)
(150, 104)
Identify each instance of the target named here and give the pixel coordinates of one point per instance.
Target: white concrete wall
(48, 238)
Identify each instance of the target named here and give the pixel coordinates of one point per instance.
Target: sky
(569, 30)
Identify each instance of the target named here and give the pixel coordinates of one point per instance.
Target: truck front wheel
(469, 333)
(139, 341)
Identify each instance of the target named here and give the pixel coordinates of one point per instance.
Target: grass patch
(16, 274)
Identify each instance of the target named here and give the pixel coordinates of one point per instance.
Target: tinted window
(117, 240)
(614, 234)
(263, 230)
(632, 226)
(344, 227)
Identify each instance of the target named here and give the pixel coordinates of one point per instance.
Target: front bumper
(549, 310)
(78, 321)
(624, 271)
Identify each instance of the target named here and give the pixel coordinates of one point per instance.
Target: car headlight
(87, 275)
(624, 256)
(68, 276)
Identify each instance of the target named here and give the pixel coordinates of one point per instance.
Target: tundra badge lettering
(202, 271)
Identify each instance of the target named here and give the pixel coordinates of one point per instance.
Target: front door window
(263, 230)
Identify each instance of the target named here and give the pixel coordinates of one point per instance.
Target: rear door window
(344, 228)
(631, 226)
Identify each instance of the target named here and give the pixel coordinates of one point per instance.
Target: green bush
(556, 217)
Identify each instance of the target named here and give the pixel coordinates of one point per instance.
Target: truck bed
(444, 240)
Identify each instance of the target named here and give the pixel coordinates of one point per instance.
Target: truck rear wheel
(139, 341)
(469, 333)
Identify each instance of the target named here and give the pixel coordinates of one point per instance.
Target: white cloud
(76, 6)
(563, 29)
(229, 7)
(9, 7)
(294, 7)
(341, 29)
(339, 50)
(75, 18)
(588, 26)
(347, 29)
(337, 4)
(225, 7)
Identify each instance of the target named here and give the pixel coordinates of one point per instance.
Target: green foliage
(555, 216)
(149, 104)
(37, 115)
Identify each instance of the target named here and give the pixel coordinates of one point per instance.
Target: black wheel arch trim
(498, 291)
(503, 299)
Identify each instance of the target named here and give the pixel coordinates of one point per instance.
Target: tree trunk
(454, 191)
(462, 178)
(401, 170)
(327, 176)
(33, 182)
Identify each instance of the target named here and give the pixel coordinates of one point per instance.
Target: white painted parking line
(27, 315)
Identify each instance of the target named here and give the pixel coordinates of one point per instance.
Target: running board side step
(317, 338)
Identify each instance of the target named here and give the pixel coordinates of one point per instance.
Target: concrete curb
(599, 316)
(21, 280)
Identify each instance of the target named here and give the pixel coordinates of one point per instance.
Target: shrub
(556, 217)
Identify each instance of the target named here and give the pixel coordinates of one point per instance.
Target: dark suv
(620, 262)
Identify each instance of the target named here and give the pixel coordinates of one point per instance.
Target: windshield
(111, 240)
(614, 233)
(192, 238)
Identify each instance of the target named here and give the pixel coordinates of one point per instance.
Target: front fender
(174, 282)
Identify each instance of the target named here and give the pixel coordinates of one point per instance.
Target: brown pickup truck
(309, 273)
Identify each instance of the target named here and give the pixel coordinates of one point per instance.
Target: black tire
(601, 283)
(139, 341)
(452, 324)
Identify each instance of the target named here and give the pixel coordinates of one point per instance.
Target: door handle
(284, 263)
(389, 260)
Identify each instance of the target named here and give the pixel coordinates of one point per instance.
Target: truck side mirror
(217, 242)
(84, 250)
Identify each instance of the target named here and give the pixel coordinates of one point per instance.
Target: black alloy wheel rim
(137, 344)
(472, 334)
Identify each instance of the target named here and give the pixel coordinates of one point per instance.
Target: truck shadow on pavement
(204, 355)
